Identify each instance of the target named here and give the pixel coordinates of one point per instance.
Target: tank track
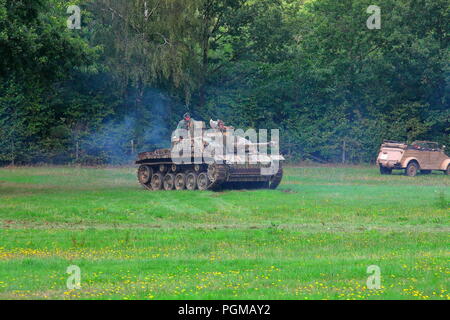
(220, 176)
(276, 179)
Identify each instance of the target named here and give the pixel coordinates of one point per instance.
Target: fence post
(343, 152)
(77, 151)
(13, 153)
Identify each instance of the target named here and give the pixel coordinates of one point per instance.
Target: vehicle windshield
(425, 145)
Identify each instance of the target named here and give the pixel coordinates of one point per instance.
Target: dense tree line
(311, 68)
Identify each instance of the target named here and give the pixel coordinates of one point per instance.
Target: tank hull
(209, 175)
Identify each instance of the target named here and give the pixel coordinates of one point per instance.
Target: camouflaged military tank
(158, 170)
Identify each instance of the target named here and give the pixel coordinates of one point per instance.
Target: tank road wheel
(180, 181)
(276, 179)
(384, 170)
(212, 172)
(217, 174)
(447, 172)
(144, 174)
(203, 181)
(157, 181)
(411, 169)
(191, 181)
(169, 182)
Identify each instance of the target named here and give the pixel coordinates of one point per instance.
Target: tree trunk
(205, 48)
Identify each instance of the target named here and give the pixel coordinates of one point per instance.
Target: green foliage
(340, 82)
(310, 68)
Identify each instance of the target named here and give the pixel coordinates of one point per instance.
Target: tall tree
(37, 51)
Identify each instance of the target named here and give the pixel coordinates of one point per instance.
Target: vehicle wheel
(180, 181)
(384, 170)
(411, 169)
(447, 172)
(157, 181)
(203, 181)
(425, 171)
(144, 174)
(169, 181)
(191, 181)
(217, 174)
(212, 172)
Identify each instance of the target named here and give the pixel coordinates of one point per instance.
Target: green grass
(313, 238)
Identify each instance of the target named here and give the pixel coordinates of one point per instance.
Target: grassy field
(313, 238)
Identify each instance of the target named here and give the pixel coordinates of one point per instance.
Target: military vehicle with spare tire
(423, 156)
(158, 170)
